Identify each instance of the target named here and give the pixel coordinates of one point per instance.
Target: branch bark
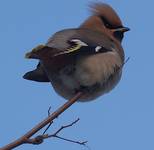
(34, 130)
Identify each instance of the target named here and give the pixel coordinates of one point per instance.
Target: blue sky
(120, 120)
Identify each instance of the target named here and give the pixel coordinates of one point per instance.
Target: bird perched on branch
(87, 59)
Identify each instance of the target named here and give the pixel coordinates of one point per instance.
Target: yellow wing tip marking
(37, 48)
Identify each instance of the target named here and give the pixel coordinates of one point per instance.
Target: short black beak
(122, 29)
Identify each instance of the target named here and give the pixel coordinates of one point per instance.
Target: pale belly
(94, 76)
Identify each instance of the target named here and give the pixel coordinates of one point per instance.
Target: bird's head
(105, 19)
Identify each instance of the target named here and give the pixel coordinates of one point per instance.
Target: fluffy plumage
(88, 58)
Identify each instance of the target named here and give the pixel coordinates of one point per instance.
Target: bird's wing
(72, 41)
(37, 75)
(80, 41)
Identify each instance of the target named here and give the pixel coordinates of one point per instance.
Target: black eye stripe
(107, 23)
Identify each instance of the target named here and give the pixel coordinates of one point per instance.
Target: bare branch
(63, 127)
(39, 139)
(25, 138)
(65, 139)
(49, 123)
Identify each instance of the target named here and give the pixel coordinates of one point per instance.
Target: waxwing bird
(88, 59)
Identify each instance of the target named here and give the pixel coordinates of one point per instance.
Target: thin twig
(65, 139)
(39, 139)
(72, 141)
(49, 111)
(126, 60)
(66, 126)
(49, 123)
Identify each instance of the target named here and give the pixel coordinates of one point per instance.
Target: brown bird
(88, 59)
